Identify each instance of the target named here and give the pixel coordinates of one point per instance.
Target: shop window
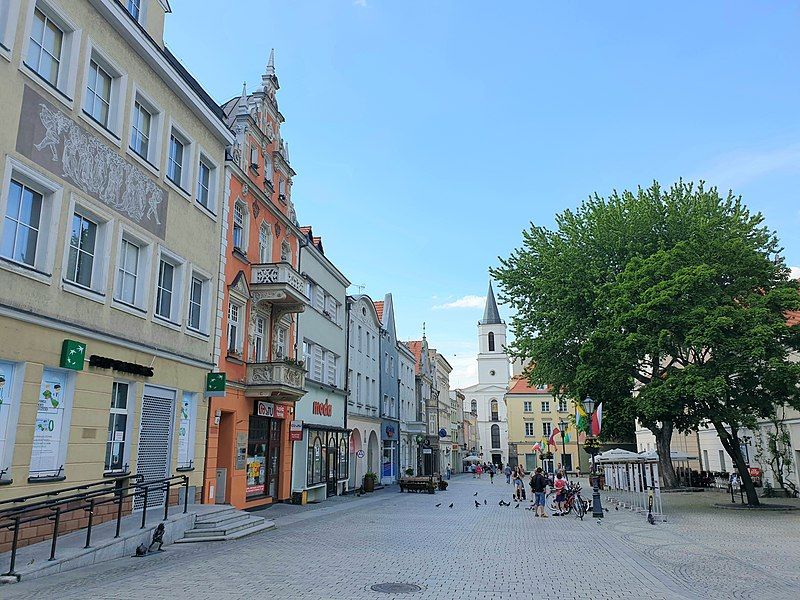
(9, 410)
(116, 444)
(257, 447)
(186, 431)
(315, 464)
(51, 429)
(343, 458)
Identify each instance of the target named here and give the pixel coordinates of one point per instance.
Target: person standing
(560, 486)
(479, 470)
(518, 487)
(507, 473)
(539, 485)
(491, 474)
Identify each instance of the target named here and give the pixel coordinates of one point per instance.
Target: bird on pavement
(438, 505)
(477, 504)
(484, 501)
(517, 506)
(605, 509)
(475, 494)
(616, 508)
(451, 505)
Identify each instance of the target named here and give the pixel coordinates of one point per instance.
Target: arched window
(314, 466)
(343, 464)
(495, 416)
(491, 341)
(264, 243)
(333, 461)
(495, 436)
(474, 406)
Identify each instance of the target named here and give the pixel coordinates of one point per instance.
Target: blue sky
(427, 135)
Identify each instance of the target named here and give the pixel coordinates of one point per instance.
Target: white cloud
(469, 301)
(465, 371)
(794, 272)
(738, 168)
(361, 3)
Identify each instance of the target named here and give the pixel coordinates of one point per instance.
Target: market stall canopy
(674, 455)
(618, 455)
(472, 458)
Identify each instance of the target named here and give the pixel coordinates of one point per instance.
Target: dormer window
(135, 9)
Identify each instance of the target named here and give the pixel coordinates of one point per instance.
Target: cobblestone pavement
(338, 549)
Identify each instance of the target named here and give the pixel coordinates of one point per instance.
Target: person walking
(560, 486)
(539, 485)
(518, 488)
(479, 470)
(491, 474)
(507, 473)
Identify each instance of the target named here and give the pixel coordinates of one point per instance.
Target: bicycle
(572, 501)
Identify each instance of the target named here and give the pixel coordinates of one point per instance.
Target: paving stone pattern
(341, 548)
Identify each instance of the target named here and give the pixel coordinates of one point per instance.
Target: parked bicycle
(573, 501)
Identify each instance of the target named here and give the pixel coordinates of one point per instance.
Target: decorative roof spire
(423, 330)
(271, 63)
(242, 109)
(491, 316)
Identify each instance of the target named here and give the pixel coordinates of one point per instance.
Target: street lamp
(747, 439)
(592, 446)
(563, 425)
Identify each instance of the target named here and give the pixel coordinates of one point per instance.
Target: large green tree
(629, 300)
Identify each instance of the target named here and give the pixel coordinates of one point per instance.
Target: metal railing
(91, 496)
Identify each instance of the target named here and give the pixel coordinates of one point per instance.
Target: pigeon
(484, 502)
(438, 505)
(31, 562)
(599, 521)
(651, 519)
(616, 508)
(605, 509)
(475, 494)
(517, 506)
(477, 504)
(451, 505)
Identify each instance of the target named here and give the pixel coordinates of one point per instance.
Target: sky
(427, 135)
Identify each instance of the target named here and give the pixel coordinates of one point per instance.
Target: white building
(363, 400)
(486, 397)
(411, 421)
(442, 411)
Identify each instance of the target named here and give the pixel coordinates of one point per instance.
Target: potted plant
(370, 479)
(409, 472)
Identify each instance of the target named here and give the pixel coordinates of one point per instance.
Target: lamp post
(591, 445)
(563, 426)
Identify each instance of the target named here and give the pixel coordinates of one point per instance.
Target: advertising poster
(6, 385)
(45, 456)
(184, 431)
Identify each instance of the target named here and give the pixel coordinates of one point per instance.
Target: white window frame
(130, 413)
(242, 246)
(545, 406)
(176, 302)
(105, 226)
(142, 18)
(153, 158)
(527, 406)
(64, 90)
(42, 269)
(9, 413)
(186, 462)
(142, 301)
(187, 161)
(205, 301)
(213, 179)
(260, 338)
(281, 349)
(265, 250)
(9, 18)
(236, 347)
(562, 403)
(547, 428)
(530, 429)
(119, 88)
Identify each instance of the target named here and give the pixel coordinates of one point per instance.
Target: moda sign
(324, 409)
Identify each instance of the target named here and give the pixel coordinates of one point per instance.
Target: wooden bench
(418, 484)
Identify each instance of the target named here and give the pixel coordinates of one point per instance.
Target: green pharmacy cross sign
(215, 385)
(72, 355)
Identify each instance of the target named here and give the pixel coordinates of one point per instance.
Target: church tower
(493, 366)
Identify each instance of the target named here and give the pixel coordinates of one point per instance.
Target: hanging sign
(215, 385)
(268, 409)
(295, 431)
(72, 355)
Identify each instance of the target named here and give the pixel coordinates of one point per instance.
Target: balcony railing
(276, 379)
(278, 284)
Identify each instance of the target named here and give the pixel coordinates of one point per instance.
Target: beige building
(112, 197)
(534, 413)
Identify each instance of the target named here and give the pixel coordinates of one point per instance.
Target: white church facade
(486, 397)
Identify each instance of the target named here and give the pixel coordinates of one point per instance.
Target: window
(331, 362)
(493, 405)
(116, 447)
(9, 15)
(358, 389)
(198, 301)
(168, 289)
(140, 130)
(314, 462)
(83, 239)
(268, 170)
(22, 223)
(186, 428)
(234, 328)
(264, 243)
(286, 252)
(135, 9)
(128, 272)
(239, 212)
(204, 184)
(473, 406)
(360, 341)
(545, 406)
(495, 436)
(343, 457)
(175, 160)
(529, 430)
(98, 94)
(527, 406)
(258, 339)
(547, 429)
(282, 189)
(45, 47)
(491, 341)
(722, 460)
(280, 342)
(562, 405)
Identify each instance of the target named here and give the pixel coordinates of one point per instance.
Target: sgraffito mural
(51, 139)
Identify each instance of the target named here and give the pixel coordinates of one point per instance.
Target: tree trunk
(730, 441)
(663, 442)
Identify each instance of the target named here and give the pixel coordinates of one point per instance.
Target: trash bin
(300, 498)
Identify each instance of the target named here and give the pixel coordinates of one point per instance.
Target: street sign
(295, 431)
(427, 451)
(360, 454)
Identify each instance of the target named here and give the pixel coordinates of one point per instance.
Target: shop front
(321, 465)
(389, 462)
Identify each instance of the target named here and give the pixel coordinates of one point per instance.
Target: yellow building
(112, 199)
(534, 413)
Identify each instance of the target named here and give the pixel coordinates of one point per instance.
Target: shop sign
(360, 454)
(388, 431)
(295, 431)
(427, 451)
(442, 432)
(72, 355)
(215, 385)
(102, 362)
(324, 409)
(268, 409)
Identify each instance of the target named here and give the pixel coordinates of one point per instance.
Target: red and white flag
(553, 434)
(597, 420)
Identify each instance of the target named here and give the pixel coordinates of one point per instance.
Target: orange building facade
(249, 452)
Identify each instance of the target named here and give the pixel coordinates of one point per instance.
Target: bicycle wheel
(580, 507)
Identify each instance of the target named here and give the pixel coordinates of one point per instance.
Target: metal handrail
(105, 482)
(13, 518)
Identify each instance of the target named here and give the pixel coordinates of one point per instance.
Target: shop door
(330, 466)
(155, 441)
(497, 459)
(274, 462)
(567, 464)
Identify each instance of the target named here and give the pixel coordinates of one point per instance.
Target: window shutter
(318, 363)
(331, 367)
(319, 298)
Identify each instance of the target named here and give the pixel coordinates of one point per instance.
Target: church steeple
(491, 316)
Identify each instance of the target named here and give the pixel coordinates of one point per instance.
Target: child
(561, 495)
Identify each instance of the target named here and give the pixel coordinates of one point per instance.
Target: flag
(581, 418)
(537, 447)
(551, 441)
(566, 438)
(597, 419)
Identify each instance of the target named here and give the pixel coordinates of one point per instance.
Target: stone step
(215, 522)
(212, 536)
(240, 523)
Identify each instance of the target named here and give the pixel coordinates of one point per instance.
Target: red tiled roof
(416, 348)
(379, 310)
(793, 317)
(519, 385)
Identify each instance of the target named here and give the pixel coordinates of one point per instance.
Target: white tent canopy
(674, 455)
(618, 455)
(472, 458)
